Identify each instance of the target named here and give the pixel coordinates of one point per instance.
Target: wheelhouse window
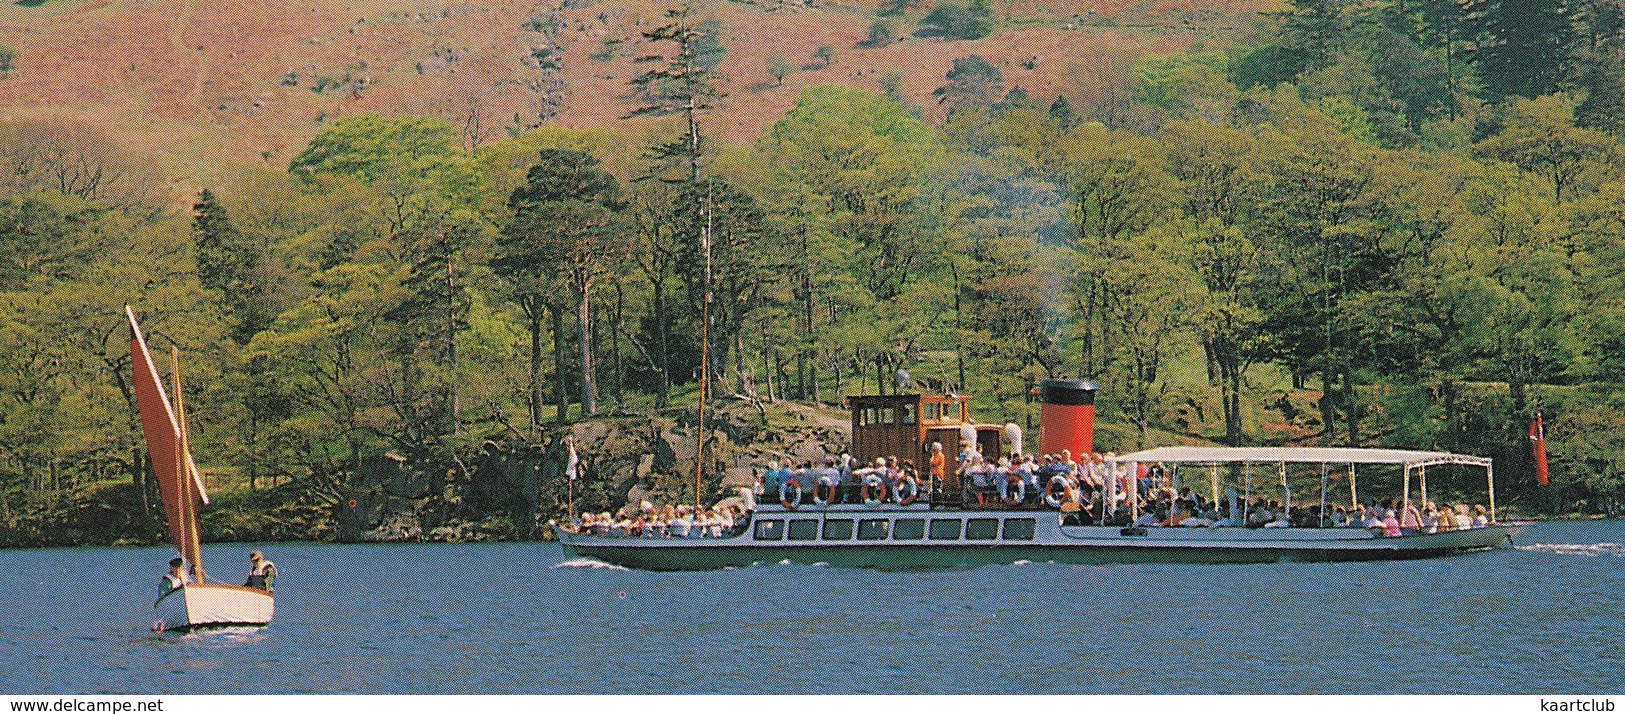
(873, 529)
(804, 529)
(771, 529)
(838, 529)
(908, 529)
(982, 529)
(945, 529)
(1018, 528)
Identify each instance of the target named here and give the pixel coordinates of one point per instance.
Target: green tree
(778, 67)
(409, 151)
(1315, 31)
(1526, 49)
(1540, 137)
(565, 231)
(954, 20)
(866, 159)
(681, 84)
(972, 82)
(7, 58)
(743, 260)
(230, 263)
(880, 35)
(431, 316)
(825, 54)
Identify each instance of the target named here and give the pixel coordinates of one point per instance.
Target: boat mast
(193, 548)
(705, 347)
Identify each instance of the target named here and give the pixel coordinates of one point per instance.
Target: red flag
(1537, 435)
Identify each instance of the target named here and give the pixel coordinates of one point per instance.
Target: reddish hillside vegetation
(207, 85)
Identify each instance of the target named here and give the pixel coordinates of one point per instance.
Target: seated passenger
(1390, 524)
(1430, 519)
(1481, 516)
(681, 525)
(1411, 519)
(1151, 518)
(1463, 521)
(1446, 519)
(1280, 520)
(1371, 517)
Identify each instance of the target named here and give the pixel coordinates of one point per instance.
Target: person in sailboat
(262, 575)
(176, 577)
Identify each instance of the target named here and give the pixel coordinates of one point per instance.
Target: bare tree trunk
(663, 391)
(589, 391)
(561, 397)
(533, 311)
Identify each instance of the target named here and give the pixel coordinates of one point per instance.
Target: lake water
(521, 618)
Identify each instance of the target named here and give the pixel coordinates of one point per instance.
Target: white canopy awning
(1309, 455)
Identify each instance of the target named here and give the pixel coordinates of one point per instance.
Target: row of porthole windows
(898, 529)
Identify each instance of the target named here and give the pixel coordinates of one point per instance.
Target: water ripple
(1616, 550)
(592, 563)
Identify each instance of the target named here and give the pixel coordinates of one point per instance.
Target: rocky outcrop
(509, 488)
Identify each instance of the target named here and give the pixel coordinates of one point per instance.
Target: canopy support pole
(1134, 490)
(1286, 490)
(1422, 476)
(1325, 479)
(1489, 473)
(1108, 505)
(1213, 476)
(1354, 493)
(1247, 503)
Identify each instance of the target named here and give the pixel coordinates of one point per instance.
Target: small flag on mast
(1537, 437)
(573, 468)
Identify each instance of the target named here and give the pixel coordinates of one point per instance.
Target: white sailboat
(199, 602)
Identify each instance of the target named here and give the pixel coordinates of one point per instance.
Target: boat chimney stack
(1067, 419)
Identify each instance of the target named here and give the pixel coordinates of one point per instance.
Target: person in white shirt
(176, 577)
(262, 572)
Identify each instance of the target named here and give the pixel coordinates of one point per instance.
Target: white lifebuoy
(1054, 495)
(785, 493)
(824, 492)
(874, 490)
(909, 484)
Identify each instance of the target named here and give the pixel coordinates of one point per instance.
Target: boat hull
(1049, 541)
(210, 605)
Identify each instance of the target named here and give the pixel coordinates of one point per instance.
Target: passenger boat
(198, 603)
(947, 533)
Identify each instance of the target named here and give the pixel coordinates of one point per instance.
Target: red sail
(170, 463)
(1537, 436)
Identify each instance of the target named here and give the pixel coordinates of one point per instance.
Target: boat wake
(1592, 550)
(589, 563)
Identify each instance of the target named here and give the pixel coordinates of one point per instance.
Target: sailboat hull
(210, 605)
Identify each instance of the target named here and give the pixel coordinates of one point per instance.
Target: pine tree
(1061, 111)
(1527, 48)
(1315, 31)
(681, 85)
(228, 262)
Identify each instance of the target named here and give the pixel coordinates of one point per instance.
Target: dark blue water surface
(1544, 617)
